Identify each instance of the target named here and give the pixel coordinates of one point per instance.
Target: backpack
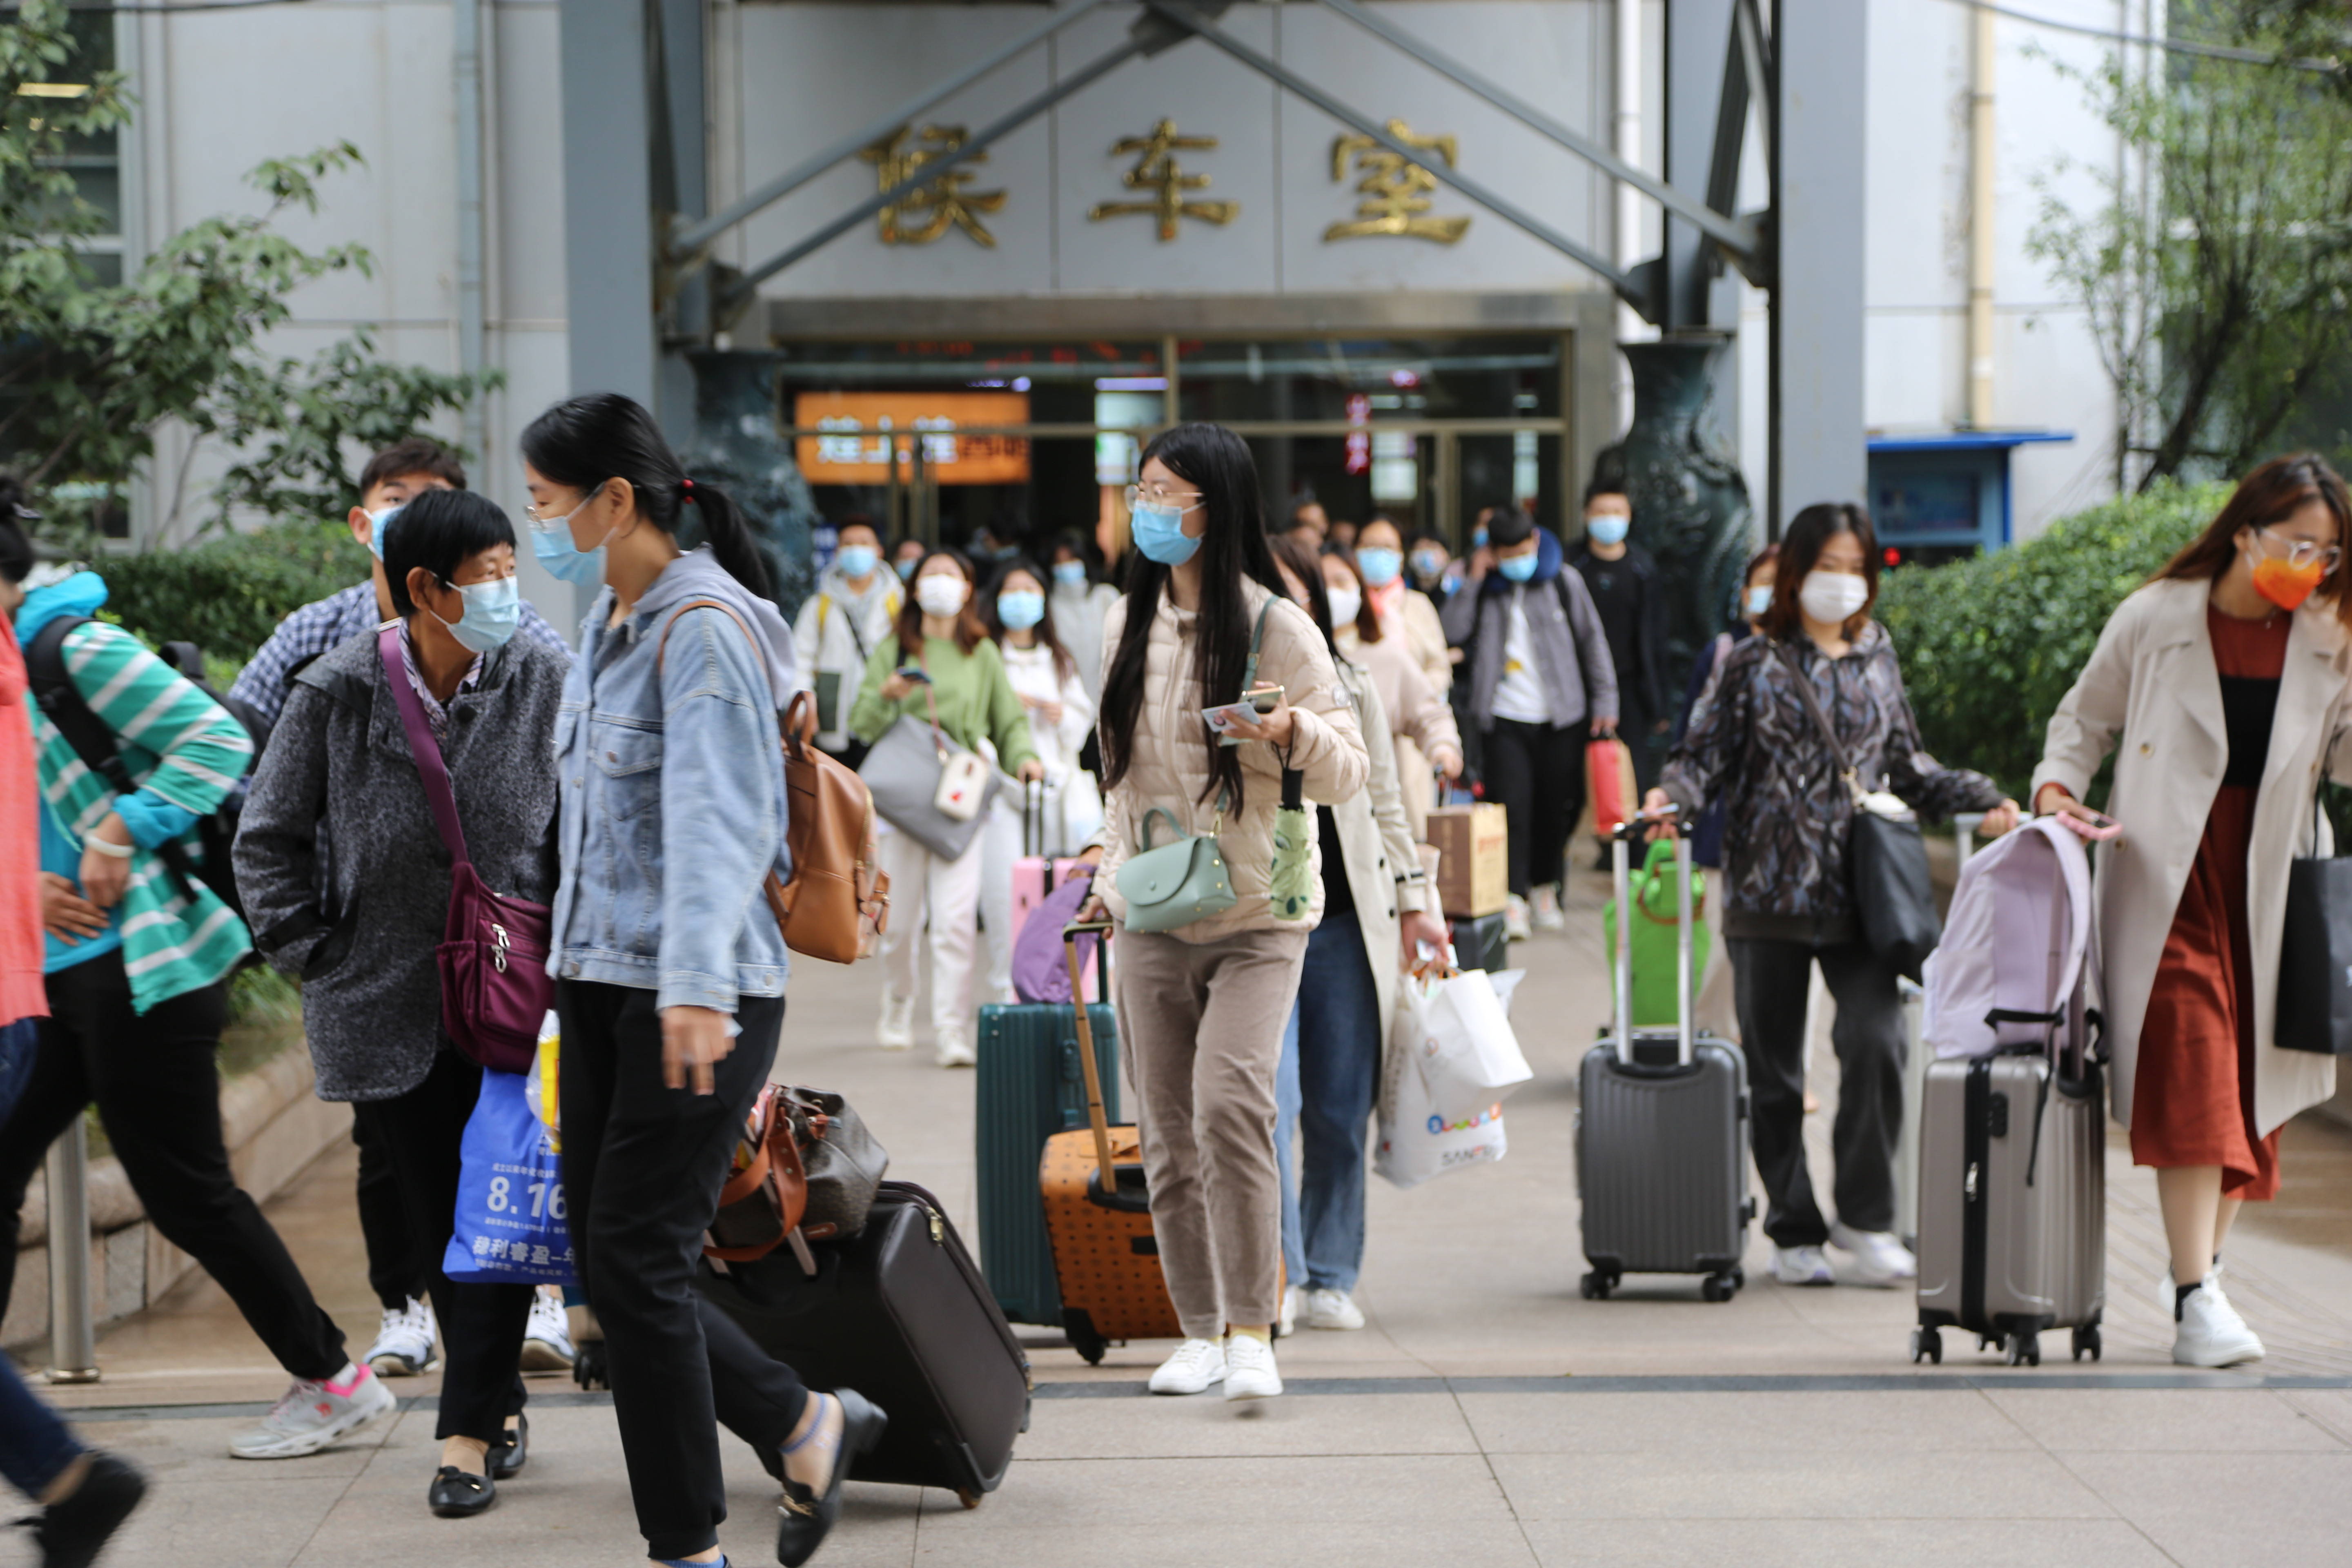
(94, 744)
(2013, 970)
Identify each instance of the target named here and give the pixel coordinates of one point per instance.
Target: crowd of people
(584, 776)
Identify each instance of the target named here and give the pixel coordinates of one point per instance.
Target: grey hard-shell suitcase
(1662, 1133)
(2012, 1202)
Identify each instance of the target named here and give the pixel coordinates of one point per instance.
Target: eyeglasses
(1182, 501)
(540, 524)
(2302, 553)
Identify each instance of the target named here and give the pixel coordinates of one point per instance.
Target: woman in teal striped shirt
(137, 973)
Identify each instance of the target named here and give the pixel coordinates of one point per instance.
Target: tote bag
(2315, 979)
(903, 774)
(509, 1226)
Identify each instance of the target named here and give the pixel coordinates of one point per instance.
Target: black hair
(439, 531)
(1063, 664)
(417, 454)
(585, 441)
(1800, 549)
(1307, 567)
(1234, 548)
(1076, 543)
(15, 546)
(1508, 525)
(859, 520)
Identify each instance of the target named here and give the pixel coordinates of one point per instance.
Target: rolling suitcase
(1480, 944)
(1099, 1212)
(899, 1313)
(1030, 1088)
(1035, 874)
(1662, 1133)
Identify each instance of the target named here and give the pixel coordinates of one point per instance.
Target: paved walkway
(1488, 1415)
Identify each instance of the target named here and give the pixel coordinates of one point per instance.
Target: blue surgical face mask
(1070, 573)
(1380, 567)
(858, 560)
(552, 545)
(1159, 534)
(492, 610)
(906, 569)
(377, 522)
(1757, 600)
(1518, 568)
(1019, 610)
(1607, 528)
(1478, 537)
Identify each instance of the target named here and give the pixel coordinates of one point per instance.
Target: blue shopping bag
(509, 1226)
(20, 1043)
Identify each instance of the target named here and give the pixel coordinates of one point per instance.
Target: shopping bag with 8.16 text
(509, 1226)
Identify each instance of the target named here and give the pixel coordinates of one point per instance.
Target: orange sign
(856, 433)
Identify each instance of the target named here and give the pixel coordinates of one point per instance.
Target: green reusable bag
(1290, 880)
(1177, 883)
(1654, 925)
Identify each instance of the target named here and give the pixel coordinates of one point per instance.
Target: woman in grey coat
(359, 921)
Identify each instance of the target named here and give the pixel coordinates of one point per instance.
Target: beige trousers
(1200, 1025)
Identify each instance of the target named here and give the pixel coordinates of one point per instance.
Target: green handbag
(1177, 883)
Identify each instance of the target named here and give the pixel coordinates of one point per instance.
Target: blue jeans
(1330, 1078)
(34, 1446)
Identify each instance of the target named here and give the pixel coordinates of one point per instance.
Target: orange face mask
(2286, 585)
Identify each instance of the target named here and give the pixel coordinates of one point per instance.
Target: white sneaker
(1546, 915)
(2211, 1332)
(1294, 1301)
(547, 1338)
(955, 1051)
(1515, 919)
(1802, 1265)
(403, 1344)
(1332, 1310)
(2169, 1292)
(310, 1416)
(895, 1031)
(1879, 1256)
(1249, 1368)
(1197, 1366)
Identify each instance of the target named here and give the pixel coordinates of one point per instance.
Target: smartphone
(914, 672)
(2099, 828)
(1264, 698)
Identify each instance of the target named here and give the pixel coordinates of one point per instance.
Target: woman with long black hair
(1202, 1006)
(671, 989)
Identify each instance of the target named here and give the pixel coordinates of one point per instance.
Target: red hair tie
(687, 486)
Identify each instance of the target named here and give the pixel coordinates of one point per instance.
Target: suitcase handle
(1621, 837)
(1107, 1172)
(1033, 817)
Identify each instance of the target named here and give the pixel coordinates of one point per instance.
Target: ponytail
(587, 440)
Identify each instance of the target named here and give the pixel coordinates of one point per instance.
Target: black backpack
(94, 744)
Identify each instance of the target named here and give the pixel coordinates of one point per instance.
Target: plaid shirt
(327, 623)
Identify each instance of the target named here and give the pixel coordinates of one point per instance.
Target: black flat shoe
(506, 1460)
(456, 1495)
(805, 1517)
(73, 1530)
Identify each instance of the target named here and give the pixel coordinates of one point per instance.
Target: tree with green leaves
(2217, 270)
(90, 369)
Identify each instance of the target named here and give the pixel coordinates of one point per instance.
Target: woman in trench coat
(2220, 689)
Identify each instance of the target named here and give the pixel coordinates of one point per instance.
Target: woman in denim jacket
(670, 990)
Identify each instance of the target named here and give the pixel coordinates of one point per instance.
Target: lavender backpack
(1040, 973)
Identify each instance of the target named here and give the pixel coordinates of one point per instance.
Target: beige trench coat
(2151, 695)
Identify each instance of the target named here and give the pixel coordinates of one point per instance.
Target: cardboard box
(1473, 867)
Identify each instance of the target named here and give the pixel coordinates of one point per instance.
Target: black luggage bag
(900, 1313)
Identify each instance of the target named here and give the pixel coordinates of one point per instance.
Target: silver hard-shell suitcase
(1662, 1133)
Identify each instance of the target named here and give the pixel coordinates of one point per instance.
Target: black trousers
(643, 1165)
(158, 1095)
(395, 1269)
(421, 1133)
(1772, 979)
(1537, 773)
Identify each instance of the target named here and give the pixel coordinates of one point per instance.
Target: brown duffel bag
(806, 1170)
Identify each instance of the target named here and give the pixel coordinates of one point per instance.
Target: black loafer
(805, 1517)
(456, 1495)
(73, 1531)
(506, 1460)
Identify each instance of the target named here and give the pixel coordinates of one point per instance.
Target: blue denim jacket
(680, 768)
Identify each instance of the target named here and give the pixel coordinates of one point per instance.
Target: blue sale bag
(19, 1042)
(509, 1226)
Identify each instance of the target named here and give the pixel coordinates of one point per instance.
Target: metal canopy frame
(1165, 23)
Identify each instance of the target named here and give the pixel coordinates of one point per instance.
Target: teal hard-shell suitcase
(1030, 1089)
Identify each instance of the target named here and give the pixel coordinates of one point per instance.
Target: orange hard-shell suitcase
(1098, 1210)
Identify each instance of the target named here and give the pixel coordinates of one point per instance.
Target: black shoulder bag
(2315, 974)
(1886, 858)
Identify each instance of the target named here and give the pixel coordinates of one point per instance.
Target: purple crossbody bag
(494, 988)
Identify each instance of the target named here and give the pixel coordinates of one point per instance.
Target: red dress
(2194, 1086)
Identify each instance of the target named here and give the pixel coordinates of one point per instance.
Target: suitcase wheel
(1926, 1344)
(2024, 1350)
(1596, 1285)
(969, 1497)
(1718, 1287)
(2086, 1341)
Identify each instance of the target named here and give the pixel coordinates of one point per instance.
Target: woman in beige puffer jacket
(1202, 1008)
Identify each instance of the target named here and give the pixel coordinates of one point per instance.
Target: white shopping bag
(1417, 1142)
(1469, 1056)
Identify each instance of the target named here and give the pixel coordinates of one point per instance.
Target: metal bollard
(73, 1342)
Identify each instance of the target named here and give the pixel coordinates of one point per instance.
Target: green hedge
(228, 594)
(1990, 646)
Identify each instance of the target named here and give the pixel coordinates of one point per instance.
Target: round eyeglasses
(1157, 499)
(2300, 553)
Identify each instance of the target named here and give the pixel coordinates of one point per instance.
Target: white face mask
(1347, 604)
(1832, 596)
(941, 593)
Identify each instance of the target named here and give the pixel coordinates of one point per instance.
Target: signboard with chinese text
(849, 437)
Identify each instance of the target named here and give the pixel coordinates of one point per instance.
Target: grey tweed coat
(358, 925)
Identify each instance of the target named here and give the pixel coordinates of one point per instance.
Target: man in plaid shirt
(390, 477)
